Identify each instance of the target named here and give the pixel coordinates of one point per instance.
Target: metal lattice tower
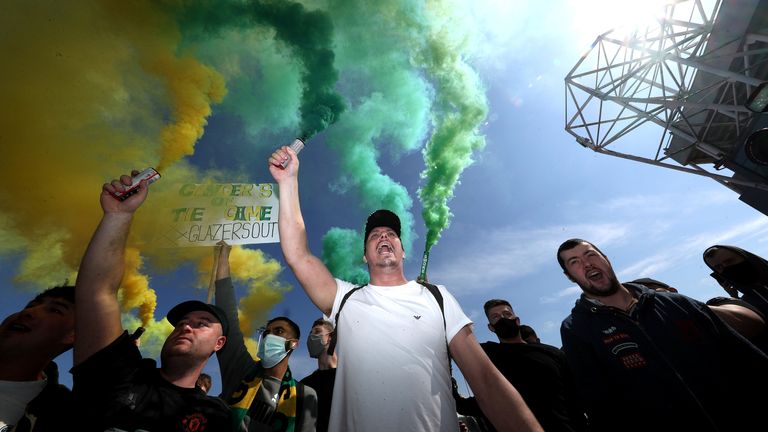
(688, 75)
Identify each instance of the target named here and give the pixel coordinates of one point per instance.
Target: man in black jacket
(324, 377)
(114, 387)
(539, 372)
(646, 360)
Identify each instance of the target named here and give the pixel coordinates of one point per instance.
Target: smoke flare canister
(296, 146)
(424, 262)
(150, 175)
(137, 334)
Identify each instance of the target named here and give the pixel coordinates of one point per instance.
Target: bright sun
(598, 16)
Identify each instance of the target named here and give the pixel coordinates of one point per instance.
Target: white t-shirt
(14, 397)
(392, 372)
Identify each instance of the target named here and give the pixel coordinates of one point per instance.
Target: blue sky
(529, 189)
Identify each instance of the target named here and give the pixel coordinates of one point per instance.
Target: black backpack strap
(335, 332)
(439, 298)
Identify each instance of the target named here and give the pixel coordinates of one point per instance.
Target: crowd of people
(635, 356)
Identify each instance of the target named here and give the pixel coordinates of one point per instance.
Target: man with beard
(539, 372)
(394, 336)
(646, 360)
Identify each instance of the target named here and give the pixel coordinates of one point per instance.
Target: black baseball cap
(382, 218)
(177, 312)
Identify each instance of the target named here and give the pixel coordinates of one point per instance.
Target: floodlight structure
(697, 75)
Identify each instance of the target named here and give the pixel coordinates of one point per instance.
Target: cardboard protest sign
(238, 213)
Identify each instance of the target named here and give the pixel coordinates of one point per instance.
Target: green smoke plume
(415, 82)
(308, 34)
(342, 259)
(389, 113)
(455, 138)
(404, 78)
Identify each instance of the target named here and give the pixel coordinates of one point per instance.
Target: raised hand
(111, 204)
(280, 156)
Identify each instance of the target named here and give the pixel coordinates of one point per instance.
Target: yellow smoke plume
(190, 85)
(91, 90)
(253, 347)
(193, 87)
(135, 291)
(260, 273)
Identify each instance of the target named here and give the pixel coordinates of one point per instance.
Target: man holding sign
(402, 380)
(263, 394)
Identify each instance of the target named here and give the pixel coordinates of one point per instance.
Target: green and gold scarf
(284, 417)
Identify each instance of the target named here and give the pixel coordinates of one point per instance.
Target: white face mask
(315, 345)
(272, 350)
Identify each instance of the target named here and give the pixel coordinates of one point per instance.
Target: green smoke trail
(455, 138)
(389, 109)
(307, 33)
(264, 84)
(404, 78)
(341, 259)
(417, 78)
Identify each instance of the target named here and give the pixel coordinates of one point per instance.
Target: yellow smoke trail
(193, 87)
(253, 347)
(135, 291)
(190, 85)
(91, 90)
(264, 290)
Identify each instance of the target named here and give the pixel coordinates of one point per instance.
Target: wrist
(117, 215)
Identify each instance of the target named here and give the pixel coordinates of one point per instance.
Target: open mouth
(384, 248)
(18, 328)
(594, 275)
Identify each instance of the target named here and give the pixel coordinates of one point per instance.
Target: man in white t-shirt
(393, 371)
(31, 399)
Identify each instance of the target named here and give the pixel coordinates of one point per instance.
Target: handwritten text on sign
(238, 213)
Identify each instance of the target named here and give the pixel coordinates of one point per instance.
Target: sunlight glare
(595, 17)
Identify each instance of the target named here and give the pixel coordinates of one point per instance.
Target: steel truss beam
(687, 74)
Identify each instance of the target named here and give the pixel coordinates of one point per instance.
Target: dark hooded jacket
(750, 277)
(670, 364)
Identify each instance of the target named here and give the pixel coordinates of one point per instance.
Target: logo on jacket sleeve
(194, 423)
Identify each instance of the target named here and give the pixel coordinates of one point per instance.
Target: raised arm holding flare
(114, 387)
(101, 271)
(392, 322)
(312, 274)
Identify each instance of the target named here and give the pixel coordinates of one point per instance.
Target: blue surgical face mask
(272, 350)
